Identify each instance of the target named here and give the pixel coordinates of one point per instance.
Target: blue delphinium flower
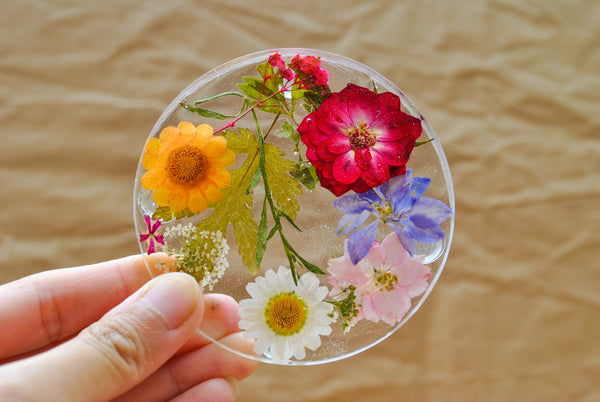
(398, 203)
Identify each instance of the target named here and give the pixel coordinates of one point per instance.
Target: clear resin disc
(307, 187)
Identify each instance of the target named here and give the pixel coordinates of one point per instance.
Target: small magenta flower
(398, 203)
(150, 236)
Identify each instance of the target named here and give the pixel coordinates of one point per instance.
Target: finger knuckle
(121, 345)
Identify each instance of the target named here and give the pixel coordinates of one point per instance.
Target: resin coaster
(310, 189)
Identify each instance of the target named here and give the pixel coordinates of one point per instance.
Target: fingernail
(174, 296)
(234, 384)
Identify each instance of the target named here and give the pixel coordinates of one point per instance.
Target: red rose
(358, 139)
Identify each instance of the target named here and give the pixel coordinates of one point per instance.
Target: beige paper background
(511, 87)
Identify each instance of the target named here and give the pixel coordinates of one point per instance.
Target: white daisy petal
(313, 342)
(298, 350)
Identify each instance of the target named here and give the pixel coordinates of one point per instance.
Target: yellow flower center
(286, 314)
(385, 281)
(187, 165)
(361, 137)
(383, 209)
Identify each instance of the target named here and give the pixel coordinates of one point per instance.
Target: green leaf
(254, 182)
(311, 267)
(235, 208)
(274, 230)
(256, 89)
(283, 187)
(419, 143)
(204, 112)
(272, 80)
(306, 174)
(261, 245)
(166, 214)
(313, 100)
(288, 131)
(297, 94)
(242, 143)
(290, 220)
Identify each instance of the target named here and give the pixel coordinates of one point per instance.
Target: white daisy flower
(285, 319)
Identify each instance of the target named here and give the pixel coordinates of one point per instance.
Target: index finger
(47, 307)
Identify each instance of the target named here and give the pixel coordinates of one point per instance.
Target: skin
(110, 331)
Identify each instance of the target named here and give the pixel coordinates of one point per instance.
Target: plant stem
(258, 103)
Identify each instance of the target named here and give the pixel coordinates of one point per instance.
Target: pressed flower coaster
(308, 188)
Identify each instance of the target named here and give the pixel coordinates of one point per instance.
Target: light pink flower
(385, 280)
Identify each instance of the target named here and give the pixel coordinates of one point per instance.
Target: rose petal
(362, 104)
(338, 144)
(378, 172)
(388, 101)
(327, 170)
(345, 169)
(359, 186)
(311, 155)
(324, 154)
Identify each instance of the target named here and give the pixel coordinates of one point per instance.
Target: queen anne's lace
(200, 253)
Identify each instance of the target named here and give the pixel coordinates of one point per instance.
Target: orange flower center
(361, 137)
(187, 165)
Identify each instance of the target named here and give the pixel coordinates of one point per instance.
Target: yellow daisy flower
(187, 167)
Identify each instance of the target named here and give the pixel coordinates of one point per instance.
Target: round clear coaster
(307, 187)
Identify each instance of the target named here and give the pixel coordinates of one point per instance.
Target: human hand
(101, 332)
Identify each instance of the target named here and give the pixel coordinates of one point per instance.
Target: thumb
(127, 345)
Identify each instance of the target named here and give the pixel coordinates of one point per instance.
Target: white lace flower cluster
(200, 253)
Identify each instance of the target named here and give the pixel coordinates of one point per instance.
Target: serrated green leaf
(242, 143)
(235, 207)
(283, 187)
(272, 80)
(204, 112)
(256, 89)
(288, 131)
